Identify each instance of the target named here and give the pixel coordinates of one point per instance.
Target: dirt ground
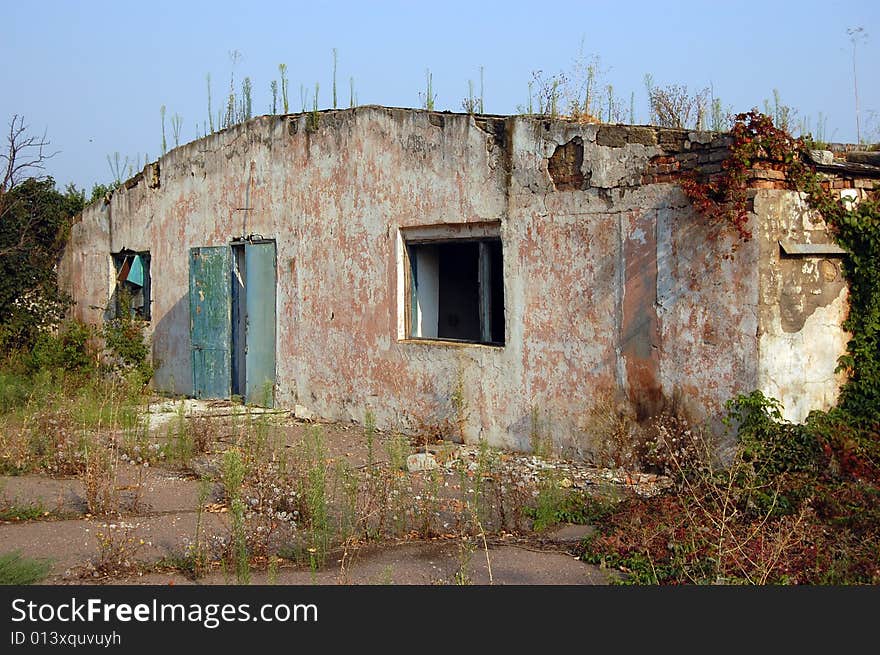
(157, 513)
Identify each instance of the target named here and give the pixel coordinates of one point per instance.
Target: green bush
(15, 389)
(127, 345)
(69, 349)
(771, 445)
(34, 229)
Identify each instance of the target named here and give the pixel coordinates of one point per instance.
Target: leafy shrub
(68, 350)
(772, 445)
(15, 389)
(798, 504)
(34, 229)
(125, 340)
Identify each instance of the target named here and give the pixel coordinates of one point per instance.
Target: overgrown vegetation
(59, 402)
(118, 546)
(22, 512)
(35, 221)
(795, 504)
(854, 225)
(15, 569)
(51, 419)
(34, 225)
(791, 504)
(127, 348)
(556, 502)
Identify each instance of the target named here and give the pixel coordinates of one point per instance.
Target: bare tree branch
(24, 158)
(25, 154)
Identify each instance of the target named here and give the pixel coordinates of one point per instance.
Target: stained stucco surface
(803, 303)
(609, 283)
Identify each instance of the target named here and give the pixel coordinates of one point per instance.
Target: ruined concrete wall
(707, 294)
(802, 304)
(618, 298)
(334, 198)
(86, 270)
(628, 305)
(349, 188)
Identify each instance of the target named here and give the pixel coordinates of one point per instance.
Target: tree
(34, 225)
(25, 154)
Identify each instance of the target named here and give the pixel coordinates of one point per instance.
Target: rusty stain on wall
(640, 331)
(609, 277)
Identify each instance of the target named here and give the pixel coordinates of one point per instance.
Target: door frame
(239, 351)
(234, 364)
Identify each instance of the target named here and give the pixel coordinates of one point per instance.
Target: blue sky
(95, 74)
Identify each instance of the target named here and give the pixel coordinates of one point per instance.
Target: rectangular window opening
(133, 286)
(456, 289)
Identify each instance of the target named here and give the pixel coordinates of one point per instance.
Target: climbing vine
(754, 138)
(796, 503)
(857, 230)
(855, 226)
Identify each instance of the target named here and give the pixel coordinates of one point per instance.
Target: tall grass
(15, 569)
(49, 417)
(233, 478)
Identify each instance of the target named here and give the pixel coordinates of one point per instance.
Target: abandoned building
(502, 274)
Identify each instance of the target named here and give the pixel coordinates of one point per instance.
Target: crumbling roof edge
(835, 167)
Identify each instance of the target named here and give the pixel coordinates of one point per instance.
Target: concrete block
(421, 462)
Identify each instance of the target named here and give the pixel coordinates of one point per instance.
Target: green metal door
(260, 326)
(210, 321)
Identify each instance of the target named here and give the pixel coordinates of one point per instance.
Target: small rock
(303, 413)
(421, 462)
(701, 137)
(571, 533)
(205, 466)
(824, 157)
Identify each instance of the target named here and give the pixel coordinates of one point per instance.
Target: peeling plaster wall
(627, 305)
(613, 288)
(707, 296)
(802, 305)
(86, 269)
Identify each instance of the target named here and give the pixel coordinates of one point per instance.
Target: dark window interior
(459, 302)
(239, 319)
(457, 291)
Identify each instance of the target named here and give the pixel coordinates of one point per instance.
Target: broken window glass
(132, 292)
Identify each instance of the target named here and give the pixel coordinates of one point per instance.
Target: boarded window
(132, 292)
(456, 290)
